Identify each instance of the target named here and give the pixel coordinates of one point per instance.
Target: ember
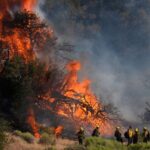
(58, 131)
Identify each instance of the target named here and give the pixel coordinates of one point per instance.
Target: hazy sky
(112, 40)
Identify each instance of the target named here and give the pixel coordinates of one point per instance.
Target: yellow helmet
(81, 128)
(136, 129)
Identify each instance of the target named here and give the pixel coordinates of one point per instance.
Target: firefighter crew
(81, 135)
(136, 136)
(118, 135)
(96, 132)
(145, 135)
(130, 135)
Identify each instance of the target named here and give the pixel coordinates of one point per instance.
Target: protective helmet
(136, 129)
(81, 128)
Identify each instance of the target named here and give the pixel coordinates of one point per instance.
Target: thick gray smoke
(112, 40)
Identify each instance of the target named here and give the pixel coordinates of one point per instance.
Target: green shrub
(96, 143)
(50, 148)
(139, 147)
(18, 133)
(47, 139)
(75, 147)
(47, 130)
(4, 127)
(28, 137)
(3, 140)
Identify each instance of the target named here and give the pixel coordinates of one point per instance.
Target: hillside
(17, 143)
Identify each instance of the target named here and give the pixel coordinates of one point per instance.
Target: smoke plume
(111, 39)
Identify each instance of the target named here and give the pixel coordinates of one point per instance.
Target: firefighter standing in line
(81, 135)
(130, 135)
(96, 132)
(118, 135)
(136, 136)
(145, 135)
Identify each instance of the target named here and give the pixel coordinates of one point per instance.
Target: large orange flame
(78, 103)
(29, 4)
(58, 131)
(19, 32)
(7, 5)
(33, 124)
(90, 105)
(18, 39)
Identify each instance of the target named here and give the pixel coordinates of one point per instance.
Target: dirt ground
(16, 143)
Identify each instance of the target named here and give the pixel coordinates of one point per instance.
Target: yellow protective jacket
(130, 133)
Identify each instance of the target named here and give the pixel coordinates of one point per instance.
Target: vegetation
(75, 147)
(50, 148)
(3, 137)
(94, 143)
(47, 139)
(20, 85)
(28, 137)
(48, 130)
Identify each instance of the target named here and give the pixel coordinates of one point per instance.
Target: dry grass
(63, 143)
(16, 143)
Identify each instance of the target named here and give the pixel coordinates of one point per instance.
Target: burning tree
(24, 41)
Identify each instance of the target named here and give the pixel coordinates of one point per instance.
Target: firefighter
(136, 136)
(96, 132)
(118, 135)
(81, 135)
(145, 135)
(129, 135)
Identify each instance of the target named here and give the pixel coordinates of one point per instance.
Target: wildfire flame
(19, 31)
(22, 34)
(88, 107)
(78, 103)
(58, 131)
(29, 4)
(32, 122)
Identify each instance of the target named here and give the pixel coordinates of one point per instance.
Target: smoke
(111, 39)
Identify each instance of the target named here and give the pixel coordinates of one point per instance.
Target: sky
(112, 41)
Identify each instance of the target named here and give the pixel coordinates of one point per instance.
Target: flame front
(85, 107)
(25, 35)
(58, 131)
(29, 4)
(22, 33)
(33, 124)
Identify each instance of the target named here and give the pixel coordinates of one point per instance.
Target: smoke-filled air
(111, 39)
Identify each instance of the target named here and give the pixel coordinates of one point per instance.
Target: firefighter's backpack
(126, 135)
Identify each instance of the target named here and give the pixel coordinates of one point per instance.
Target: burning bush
(20, 85)
(33, 88)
